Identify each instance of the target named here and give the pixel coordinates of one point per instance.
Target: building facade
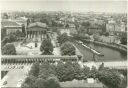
(36, 30)
(10, 26)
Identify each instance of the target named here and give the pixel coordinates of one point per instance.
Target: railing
(39, 58)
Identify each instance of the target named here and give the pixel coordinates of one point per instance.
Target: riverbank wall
(110, 45)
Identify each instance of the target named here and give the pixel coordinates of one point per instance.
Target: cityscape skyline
(67, 5)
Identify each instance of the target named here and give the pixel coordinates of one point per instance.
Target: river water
(109, 54)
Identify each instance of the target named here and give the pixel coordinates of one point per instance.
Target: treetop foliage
(8, 49)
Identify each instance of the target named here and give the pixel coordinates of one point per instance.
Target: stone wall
(111, 45)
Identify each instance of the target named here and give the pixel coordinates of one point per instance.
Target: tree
(28, 22)
(96, 37)
(52, 82)
(78, 71)
(40, 83)
(123, 39)
(76, 25)
(34, 69)
(12, 37)
(46, 19)
(3, 33)
(63, 38)
(67, 26)
(65, 72)
(93, 72)
(54, 24)
(30, 81)
(8, 49)
(86, 24)
(106, 33)
(60, 71)
(5, 16)
(25, 85)
(4, 41)
(86, 72)
(23, 28)
(19, 34)
(46, 47)
(46, 70)
(109, 77)
(101, 66)
(67, 49)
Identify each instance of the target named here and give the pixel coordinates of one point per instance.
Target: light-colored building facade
(10, 26)
(36, 30)
(113, 27)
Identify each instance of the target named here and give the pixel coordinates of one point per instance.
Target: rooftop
(37, 24)
(9, 23)
(22, 18)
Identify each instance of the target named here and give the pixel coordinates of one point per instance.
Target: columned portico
(36, 30)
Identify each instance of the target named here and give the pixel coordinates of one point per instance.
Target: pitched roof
(37, 24)
(9, 23)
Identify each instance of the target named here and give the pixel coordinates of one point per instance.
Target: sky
(118, 6)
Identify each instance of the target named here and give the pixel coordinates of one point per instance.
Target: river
(109, 54)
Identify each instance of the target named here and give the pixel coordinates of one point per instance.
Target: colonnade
(35, 34)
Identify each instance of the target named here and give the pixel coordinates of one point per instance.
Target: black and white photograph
(63, 43)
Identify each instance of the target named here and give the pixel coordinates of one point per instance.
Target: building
(94, 28)
(116, 28)
(36, 30)
(10, 26)
(110, 26)
(21, 20)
